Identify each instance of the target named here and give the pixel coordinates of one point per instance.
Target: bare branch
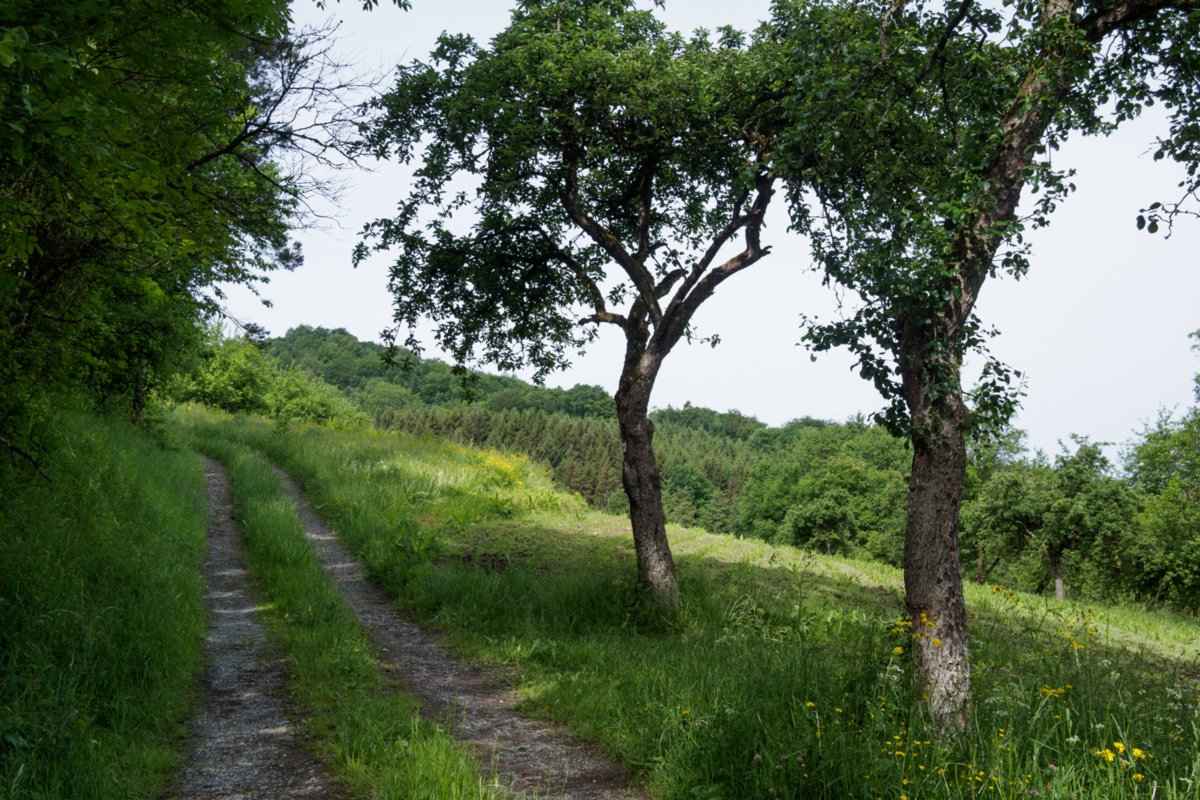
(736, 221)
(636, 270)
(593, 289)
(606, 316)
(664, 286)
(685, 303)
(15, 450)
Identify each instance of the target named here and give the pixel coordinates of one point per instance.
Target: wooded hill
(1073, 523)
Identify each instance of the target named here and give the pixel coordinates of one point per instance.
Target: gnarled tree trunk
(933, 580)
(640, 477)
(932, 572)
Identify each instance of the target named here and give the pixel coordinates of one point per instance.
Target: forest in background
(1071, 523)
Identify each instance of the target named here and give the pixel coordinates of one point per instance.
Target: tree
(236, 377)
(1165, 466)
(586, 159)
(911, 134)
(1074, 507)
(149, 153)
(835, 487)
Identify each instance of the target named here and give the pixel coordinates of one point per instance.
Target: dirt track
(534, 757)
(244, 743)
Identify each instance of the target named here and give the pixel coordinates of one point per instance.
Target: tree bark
(933, 580)
(140, 387)
(640, 477)
(932, 573)
(1060, 587)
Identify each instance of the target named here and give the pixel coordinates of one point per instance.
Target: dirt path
(244, 744)
(535, 757)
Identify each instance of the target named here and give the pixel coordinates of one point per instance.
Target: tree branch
(593, 289)
(645, 200)
(736, 221)
(636, 270)
(16, 450)
(685, 303)
(1122, 15)
(936, 53)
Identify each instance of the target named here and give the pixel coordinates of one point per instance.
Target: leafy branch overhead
(587, 167)
(911, 133)
(148, 157)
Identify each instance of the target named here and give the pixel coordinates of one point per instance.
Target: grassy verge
(784, 675)
(101, 612)
(371, 736)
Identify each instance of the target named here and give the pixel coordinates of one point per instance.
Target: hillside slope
(785, 673)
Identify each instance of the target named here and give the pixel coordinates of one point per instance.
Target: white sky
(1099, 326)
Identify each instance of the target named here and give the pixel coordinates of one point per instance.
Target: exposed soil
(244, 744)
(533, 757)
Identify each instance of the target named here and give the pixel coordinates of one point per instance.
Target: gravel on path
(244, 744)
(534, 757)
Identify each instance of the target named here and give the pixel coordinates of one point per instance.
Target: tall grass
(371, 735)
(783, 675)
(101, 611)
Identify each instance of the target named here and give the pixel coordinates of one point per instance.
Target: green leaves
(13, 40)
(603, 154)
(136, 151)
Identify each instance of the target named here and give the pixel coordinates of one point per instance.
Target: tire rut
(533, 757)
(244, 744)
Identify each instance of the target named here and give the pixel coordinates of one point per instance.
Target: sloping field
(784, 674)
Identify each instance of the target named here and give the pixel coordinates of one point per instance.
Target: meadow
(784, 674)
(101, 603)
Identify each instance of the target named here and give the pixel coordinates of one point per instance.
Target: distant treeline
(1071, 523)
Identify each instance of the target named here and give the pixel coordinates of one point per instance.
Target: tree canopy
(580, 118)
(588, 167)
(150, 153)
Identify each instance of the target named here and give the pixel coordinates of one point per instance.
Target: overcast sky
(1099, 326)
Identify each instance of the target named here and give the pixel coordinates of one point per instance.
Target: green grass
(784, 675)
(101, 612)
(370, 734)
